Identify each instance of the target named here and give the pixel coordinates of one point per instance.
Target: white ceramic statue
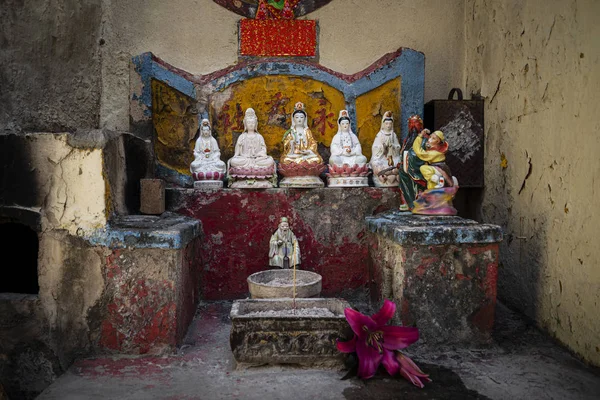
(284, 251)
(347, 165)
(386, 154)
(207, 168)
(251, 167)
(300, 163)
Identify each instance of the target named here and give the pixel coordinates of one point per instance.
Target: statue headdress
(250, 114)
(344, 116)
(440, 135)
(387, 116)
(299, 108)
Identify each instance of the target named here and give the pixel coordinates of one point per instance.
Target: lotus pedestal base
(302, 182)
(348, 181)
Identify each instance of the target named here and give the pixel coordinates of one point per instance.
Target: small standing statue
(347, 165)
(429, 155)
(251, 167)
(411, 180)
(284, 251)
(300, 162)
(386, 154)
(207, 168)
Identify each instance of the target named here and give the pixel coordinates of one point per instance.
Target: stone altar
(441, 271)
(267, 331)
(237, 225)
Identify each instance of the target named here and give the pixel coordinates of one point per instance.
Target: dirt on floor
(521, 363)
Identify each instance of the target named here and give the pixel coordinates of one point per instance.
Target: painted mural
(175, 125)
(369, 111)
(174, 101)
(273, 99)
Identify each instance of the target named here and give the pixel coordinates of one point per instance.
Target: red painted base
(448, 291)
(151, 299)
(237, 225)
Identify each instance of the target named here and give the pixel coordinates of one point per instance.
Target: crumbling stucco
(536, 63)
(71, 282)
(70, 184)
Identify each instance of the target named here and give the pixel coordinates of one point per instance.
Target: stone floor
(521, 363)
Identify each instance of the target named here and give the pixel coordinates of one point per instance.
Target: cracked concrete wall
(201, 37)
(69, 183)
(71, 283)
(537, 65)
(50, 75)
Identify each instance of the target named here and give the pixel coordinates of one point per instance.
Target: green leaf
(277, 4)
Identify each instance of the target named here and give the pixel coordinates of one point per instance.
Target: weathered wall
(66, 183)
(537, 65)
(50, 75)
(201, 37)
(237, 226)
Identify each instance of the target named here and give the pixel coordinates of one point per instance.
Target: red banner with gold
(277, 37)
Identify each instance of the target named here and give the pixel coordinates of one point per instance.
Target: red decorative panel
(276, 37)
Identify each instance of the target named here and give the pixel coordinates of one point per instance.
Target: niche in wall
(19, 245)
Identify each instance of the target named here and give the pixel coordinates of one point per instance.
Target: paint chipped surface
(329, 224)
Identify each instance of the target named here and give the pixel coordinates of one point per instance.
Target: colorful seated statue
(300, 163)
(427, 163)
(251, 167)
(347, 165)
(207, 168)
(386, 154)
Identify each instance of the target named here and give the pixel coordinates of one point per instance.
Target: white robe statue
(386, 154)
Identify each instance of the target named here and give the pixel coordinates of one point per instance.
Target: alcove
(19, 245)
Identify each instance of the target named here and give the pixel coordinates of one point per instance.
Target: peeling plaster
(542, 110)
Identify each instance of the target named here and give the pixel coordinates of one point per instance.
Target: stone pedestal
(348, 181)
(267, 331)
(440, 271)
(252, 184)
(151, 283)
(302, 182)
(208, 185)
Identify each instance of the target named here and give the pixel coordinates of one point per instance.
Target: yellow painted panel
(175, 126)
(273, 98)
(369, 111)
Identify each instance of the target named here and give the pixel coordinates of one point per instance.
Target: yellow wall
(273, 98)
(536, 63)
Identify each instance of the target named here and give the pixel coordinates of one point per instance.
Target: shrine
(275, 198)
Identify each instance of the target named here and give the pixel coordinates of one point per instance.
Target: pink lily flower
(375, 342)
(410, 370)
